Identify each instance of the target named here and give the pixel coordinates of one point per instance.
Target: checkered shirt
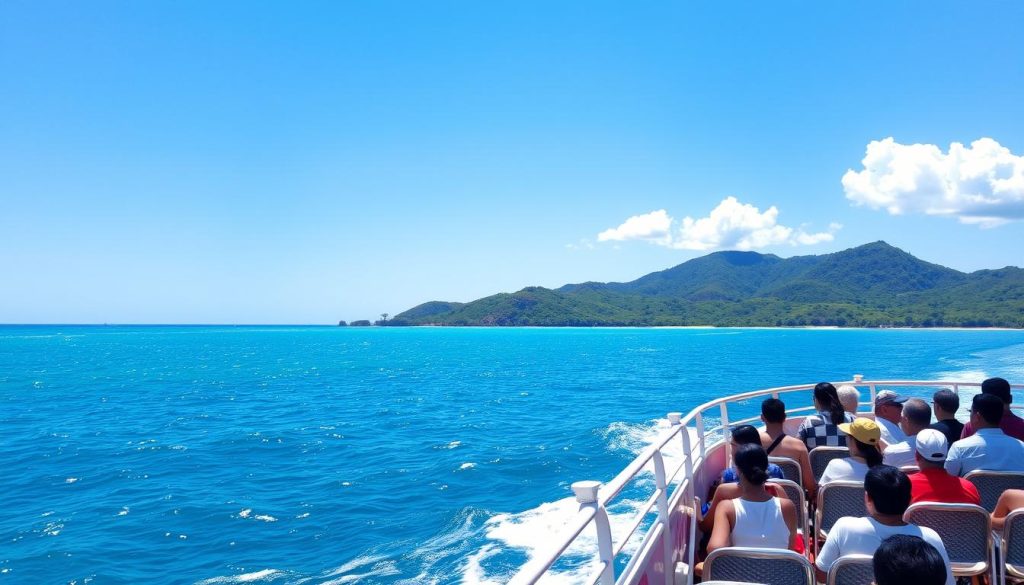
(816, 432)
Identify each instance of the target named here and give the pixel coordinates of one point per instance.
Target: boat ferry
(660, 542)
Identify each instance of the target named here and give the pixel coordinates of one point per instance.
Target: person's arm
(810, 484)
(830, 551)
(790, 516)
(953, 464)
(1009, 501)
(725, 492)
(721, 534)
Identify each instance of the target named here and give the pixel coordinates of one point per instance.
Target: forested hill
(874, 285)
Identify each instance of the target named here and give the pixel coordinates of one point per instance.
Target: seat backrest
(837, 499)
(790, 469)
(852, 570)
(758, 565)
(992, 484)
(820, 456)
(796, 494)
(1013, 540)
(965, 529)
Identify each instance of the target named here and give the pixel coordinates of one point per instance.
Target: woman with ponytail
(756, 518)
(822, 429)
(863, 436)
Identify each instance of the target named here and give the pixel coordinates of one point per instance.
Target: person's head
(931, 448)
(862, 437)
(946, 404)
(917, 415)
(999, 388)
(751, 464)
(773, 411)
(886, 491)
(848, 397)
(745, 435)
(827, 399)
(986, 411)
(889, 405)
(903, 558)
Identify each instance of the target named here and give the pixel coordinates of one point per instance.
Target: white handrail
(593, 507)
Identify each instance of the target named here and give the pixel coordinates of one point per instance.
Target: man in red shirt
(933, 483)
(1011, 424)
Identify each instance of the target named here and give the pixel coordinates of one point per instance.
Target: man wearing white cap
(888, 412)
(933, 483)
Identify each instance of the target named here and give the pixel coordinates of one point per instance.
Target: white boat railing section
(672, 492)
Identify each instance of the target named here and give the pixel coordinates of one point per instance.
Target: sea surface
(366, 455)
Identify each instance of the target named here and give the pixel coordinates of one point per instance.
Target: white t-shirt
(901, 453)
(847, 468)
(864, 535)
(891, 432)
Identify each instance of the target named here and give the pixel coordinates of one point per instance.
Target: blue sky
(248, 162)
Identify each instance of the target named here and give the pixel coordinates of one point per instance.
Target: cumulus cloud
(730, 225)
(978, 184)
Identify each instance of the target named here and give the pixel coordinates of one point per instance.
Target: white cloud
(730, 225)
(978, 184)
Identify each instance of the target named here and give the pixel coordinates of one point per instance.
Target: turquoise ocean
(366, 455)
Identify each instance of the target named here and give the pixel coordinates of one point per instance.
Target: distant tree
(342, 324)
(384, 317)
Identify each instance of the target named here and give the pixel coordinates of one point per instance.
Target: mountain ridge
(872, 285)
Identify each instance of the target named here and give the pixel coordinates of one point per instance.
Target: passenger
(1010, 423)
(822, 429)
(987, 448)
(904, 559)
(946, 403)
(888, 412)
(849, 397)
(1008, 502)
(933, 483)
(915, 418)
(778, 444)
(747, 435)
(755, 518)
(887, 497)
(864, 453)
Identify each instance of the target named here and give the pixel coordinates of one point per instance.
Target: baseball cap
(931, 445)
(863, 429)
(889, 397)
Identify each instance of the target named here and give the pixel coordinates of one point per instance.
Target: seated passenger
(1008, 502)
(822, 429)
(863, 452)
(904, 559)
(988, 447)
(887, 497)
(915, 418)
(778, 444)
(747, 435)
(755, 518)
(888, 412)
(1011, 424)
(946, 403)
(933, 483)
(849, 397)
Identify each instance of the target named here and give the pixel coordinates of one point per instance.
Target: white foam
(371, 566)
(124, 511)
(245, 513)
(264, 575)
(71, 480)
(265, 518)
(467, 466)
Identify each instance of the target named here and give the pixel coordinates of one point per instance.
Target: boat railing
(672, 492)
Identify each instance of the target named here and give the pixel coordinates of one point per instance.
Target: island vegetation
(874, 285)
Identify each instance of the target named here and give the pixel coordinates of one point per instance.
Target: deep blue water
(333, 455)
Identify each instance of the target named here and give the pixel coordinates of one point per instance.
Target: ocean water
(366, 455)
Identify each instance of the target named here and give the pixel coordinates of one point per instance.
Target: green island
(874, 285)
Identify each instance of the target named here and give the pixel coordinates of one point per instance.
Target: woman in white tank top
(756, 518)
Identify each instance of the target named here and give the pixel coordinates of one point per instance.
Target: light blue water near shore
(329, 455)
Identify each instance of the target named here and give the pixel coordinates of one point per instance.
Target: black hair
(746, 435)
(773, 410)
(889, 489)
(826, 395)
(918, 412)
(869, 452)
(947, 400)
(752, 461)
(904, 559)
(998, 387)
(989, 406)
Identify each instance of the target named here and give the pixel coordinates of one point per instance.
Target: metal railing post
(666, 536)
(688, 494)
(700, 434)
(586, 495)
(724, 407)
